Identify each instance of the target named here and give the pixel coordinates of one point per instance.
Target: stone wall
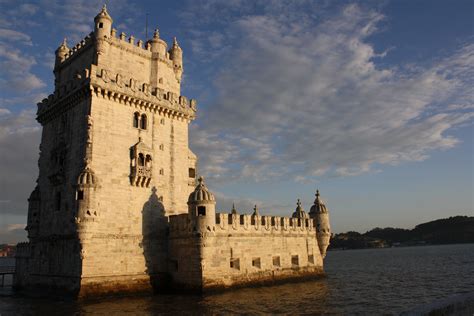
(242, 249)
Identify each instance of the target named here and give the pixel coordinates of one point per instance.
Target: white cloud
(16, 75)
(301, 98)
(19, 139)
(14, 36)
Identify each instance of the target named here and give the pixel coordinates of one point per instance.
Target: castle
(118, 206)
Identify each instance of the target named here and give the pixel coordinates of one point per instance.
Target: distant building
(7, 250)
(117, 206)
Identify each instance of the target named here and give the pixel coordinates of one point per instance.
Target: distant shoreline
(452, 230)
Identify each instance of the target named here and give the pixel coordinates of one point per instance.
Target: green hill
(456, 229)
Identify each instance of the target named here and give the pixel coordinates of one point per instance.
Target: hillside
(457, 229)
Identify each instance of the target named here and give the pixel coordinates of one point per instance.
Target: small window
(136, 119)
(162, 147)
(101, 25)
(201, 211)
(162, 121)
(276, 261)
(58, 201)
(192, 173)
(162, 172)
(311, 259)
(80, 195)
(295, 261)
(143, 122)
(141, 160)
(235, 263)
(256, 263)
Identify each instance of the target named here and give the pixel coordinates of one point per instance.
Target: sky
(371, 102)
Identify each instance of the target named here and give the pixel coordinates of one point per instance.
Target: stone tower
(114, 164)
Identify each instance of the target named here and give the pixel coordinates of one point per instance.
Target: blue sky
(371, 101)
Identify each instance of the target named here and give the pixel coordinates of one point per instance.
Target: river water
(369, 281)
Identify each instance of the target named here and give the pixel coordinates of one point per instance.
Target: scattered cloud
(16, 75)
(7, 35)
(19, 139)
(300, 98)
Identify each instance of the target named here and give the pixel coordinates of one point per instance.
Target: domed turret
(103, 23)
(87, 212)
(299, 212)
(86, 178)
(176, 55)
(158, 45)
(202, 206)
(102, 30)
(320, 214)
(61, 53)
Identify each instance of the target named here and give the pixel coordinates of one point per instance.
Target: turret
(103, 24)
(34, 203)
(320, 215)
(87, 212)
(299, 212)
(102, 30)
(61, 53)
(202, 207)
(158, 45)
(176, 55)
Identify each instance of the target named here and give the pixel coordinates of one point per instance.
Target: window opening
(136, 119)
(143, 123)
(201, 211)
(141, 160)
(256, 263)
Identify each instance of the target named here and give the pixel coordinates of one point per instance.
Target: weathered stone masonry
(116, 207)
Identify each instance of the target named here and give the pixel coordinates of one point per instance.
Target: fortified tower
(114, 163)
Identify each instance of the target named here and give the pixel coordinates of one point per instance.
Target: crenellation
(118, 205)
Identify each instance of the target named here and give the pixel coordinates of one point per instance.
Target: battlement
(76, 50)
(124, 90)
(22, 250)
(181, 225)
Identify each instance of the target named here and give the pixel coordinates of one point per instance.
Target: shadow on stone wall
(154, 229)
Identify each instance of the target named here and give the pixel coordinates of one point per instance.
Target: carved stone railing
(140, 176)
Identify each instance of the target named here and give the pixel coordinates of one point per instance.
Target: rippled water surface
(378, 281)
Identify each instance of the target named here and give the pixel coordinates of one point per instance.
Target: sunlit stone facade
(117, 206)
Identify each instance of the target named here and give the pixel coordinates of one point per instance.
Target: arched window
(143, 122)
(148, 161)
(136, 119)
(141, 160)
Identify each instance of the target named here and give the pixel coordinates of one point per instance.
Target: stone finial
(299, 212)
(156, 33)
(103, 13)
(201, 181)
(255, 211)
(317, 197)
(234, 211)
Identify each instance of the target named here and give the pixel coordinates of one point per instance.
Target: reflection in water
(361, 282)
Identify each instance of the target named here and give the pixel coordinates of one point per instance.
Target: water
(372, 281)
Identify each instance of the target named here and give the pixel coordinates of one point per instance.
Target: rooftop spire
(255, 211)
(234, 211)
